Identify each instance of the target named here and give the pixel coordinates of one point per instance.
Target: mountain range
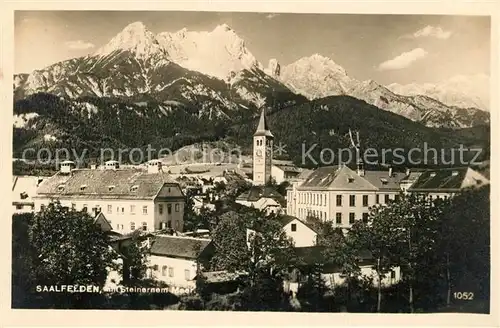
(209, 79)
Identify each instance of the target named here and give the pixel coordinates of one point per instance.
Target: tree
(464, 246)
(23, 280)
(339, 250)
(69, 248)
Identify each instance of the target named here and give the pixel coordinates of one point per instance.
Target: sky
(385, 48)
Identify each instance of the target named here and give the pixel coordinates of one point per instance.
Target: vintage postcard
(283, 162)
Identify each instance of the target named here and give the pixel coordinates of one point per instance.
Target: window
(132, 209)
(110, 188)
(42, 207)
(186, 274)
(169, 224)
(294, 227)
(164, 270)
(117, 210)
(365, 200)
(144, 226)
(365, 217)
(396, 198)
(132, 226)
(160, 208)
(123, 210)
(387, 199)
(19, 207)
(339, 200)
(352, 200)
(338, 218)
(177, 207)
(155, 267)
(324, 202)
(144, 210)
(85, 206)
(134, 188)
(351, 218)
(393, 274)
(169, 208)
(83, 187)
(73, 206)
(110, 209)
(377, 199)
(170, 272)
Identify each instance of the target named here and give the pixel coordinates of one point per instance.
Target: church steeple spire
(262, 127)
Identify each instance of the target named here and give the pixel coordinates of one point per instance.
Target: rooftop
(257, 192)
(448, 179)
(119, 183)
(181, 247)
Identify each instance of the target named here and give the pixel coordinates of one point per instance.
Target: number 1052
(467, 296)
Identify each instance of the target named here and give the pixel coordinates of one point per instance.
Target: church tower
(262, 152)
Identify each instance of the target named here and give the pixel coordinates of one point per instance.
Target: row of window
(320, 199)
(121, 210)
(144, 225)
(170, 270)
(324, 216)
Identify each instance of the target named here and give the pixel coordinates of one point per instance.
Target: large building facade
(340, 194)
(130, 199)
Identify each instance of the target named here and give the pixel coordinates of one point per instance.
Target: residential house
(264, 198)
(282, 173)
(23, 190)
(300, 232)
(131, 199)
(176, 261)
(332, 275)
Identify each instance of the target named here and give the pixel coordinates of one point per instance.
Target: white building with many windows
(130, 199)
(340, 194)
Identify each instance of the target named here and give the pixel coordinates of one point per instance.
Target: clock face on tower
(258, 152)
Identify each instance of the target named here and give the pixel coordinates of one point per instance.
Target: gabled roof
(101, 220)
(257, 192)
(289, 168)
(286, 219)
(262, 127)
(339, 177)
(180, 247)
(119, 183)
(24, 188)
(448, 180)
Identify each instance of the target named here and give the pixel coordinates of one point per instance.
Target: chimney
(67, 166)
(390, 171)
(360, 168)
(154, 166)
(111, 165)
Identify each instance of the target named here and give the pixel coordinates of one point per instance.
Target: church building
(261, 196)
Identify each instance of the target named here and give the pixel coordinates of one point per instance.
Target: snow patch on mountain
(216, 53)
(135, 38)
(460, 90)
(317, 76)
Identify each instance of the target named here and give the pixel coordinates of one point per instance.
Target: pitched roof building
(131, 198)
(447, 181)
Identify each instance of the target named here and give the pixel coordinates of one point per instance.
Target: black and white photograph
(251, 161)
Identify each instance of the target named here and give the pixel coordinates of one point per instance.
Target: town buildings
(340, 194)
(130, 199)
(262, 151)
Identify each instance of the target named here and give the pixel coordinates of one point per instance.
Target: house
(446, 182)
(282, 173)
(340, 194)
(131, 199)
(23, 189)
(176, 261)
(300, 232)
(264, 198)
(332, 275)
